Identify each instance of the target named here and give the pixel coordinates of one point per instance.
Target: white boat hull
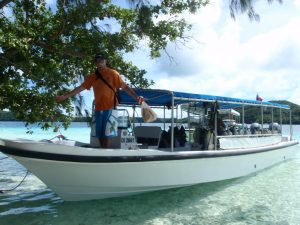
(113, 173)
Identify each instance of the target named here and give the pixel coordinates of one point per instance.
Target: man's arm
(132, 93)
(69, 94)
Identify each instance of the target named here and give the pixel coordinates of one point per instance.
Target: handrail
(230, 102)
(248, 135)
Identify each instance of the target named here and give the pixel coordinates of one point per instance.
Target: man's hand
(140, 99)
(75, 91)
(60, 98)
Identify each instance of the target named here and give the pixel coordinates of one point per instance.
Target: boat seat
(147, 136)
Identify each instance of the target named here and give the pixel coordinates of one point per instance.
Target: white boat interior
(206, 123)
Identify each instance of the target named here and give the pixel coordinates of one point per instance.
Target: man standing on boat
(105, 83)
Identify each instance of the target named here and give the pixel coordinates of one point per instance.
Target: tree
(45, 51)
(245, 6)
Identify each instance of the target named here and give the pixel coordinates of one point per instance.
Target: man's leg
(110, 128)
(99, 128)
(105, 142)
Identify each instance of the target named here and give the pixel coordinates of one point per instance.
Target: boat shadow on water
(144, 208)
(186, 205)
(44, 207)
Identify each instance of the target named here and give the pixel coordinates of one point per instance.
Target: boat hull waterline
(76, 173)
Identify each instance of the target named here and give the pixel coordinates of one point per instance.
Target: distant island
(7, 116)
(252, 114)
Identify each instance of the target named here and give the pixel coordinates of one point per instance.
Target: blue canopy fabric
(157, 97)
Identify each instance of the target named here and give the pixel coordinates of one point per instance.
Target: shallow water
(271, 196)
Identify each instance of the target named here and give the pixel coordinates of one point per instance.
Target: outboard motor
(244, 130)
(275, 127)
(235, 130)
(255, 128)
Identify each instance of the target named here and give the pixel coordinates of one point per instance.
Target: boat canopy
(157, 97)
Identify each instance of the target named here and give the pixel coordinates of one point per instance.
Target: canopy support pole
(243, 118)
(262, 119)
(172, 124)
(291, 128)
(216, 129)
(280, 112)
(272, 123)
(189, 124)
(176, 115)
(164, 117)
(133, 117)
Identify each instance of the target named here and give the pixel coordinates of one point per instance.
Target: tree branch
(3, 3)
(67, 52)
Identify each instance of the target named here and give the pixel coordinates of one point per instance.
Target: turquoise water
(11, 130)
(269, 197)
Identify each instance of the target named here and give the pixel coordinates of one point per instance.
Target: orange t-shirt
(104, 95)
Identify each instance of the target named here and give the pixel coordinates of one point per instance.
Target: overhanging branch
(3, 3)
(63, 51)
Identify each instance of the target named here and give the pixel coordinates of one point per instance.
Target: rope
(6, 190)
(59, 137)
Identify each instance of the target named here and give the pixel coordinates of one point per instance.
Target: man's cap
(99, 57)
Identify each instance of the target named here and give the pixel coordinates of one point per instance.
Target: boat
(178, 152)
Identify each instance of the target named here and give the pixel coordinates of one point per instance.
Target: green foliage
(44, 52)
(245, 6)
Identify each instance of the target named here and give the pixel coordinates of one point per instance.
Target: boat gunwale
(182, 155)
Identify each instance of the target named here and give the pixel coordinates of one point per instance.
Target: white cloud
(231, 58)
(297, 3)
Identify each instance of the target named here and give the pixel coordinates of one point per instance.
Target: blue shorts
(106, 123)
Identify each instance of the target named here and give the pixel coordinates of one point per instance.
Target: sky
(235, 58)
